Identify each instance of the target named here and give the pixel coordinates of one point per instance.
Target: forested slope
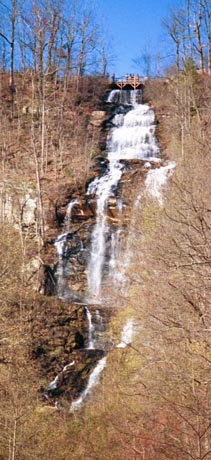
(154, 397)
(153, 400)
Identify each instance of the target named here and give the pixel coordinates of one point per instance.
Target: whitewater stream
(132, 137)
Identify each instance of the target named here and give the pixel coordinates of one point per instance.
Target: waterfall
(68, 216)
(114, 253)
(55, 383)
(102, 187)
(157, 178)
(90, 330)
(60, 244)
(93, 380)
(61, 240)
(133, 137)
(127, 334)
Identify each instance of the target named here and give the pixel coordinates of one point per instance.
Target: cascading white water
(68, 216)
(93, 380)
(55, 383)
(102, 187)
(60, 247)
(90, 330)
(127, 334)
(61, 240)
(157, 178)
(115, 249)
(133, 137)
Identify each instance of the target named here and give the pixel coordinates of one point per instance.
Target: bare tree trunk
(54, 26)
(177, 55)
(81, 59)
(40, 62)
(14, 439)
(41, 220)
(172, 29)
(39, 192)
(190, 43)
(204, 4)
(43, 130)
(199, 46)
(11, 43)
(13, 18)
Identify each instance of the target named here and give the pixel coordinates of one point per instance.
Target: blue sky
(135, 27)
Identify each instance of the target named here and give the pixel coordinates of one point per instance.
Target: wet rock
(49, 281)
(62, 339)
(73, 378)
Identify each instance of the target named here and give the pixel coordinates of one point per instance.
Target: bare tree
(190, 30)
(173, 27)
(205, 6)
(199, 46)
(87, 37)
(12, 14)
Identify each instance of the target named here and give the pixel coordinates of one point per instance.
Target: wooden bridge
(127, 82)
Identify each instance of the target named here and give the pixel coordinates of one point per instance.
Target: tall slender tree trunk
(12, 45)
(41, 219)
(53, 31)
(205, 5)
(199, 47)
(190, 44)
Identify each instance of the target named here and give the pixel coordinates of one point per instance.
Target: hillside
(153, 400)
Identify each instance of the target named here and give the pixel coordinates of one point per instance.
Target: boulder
(97, 118)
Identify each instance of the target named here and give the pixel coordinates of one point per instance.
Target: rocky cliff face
(76, 243)
(59, 333)
(60, 330)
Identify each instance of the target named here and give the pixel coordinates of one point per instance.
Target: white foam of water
(131, 138)
(135, 137)
(61, 240)
(124, 97)
(112, 96)
(115, 250)
(54, 384)
(156, 179)
(93, 380)
(67, 367)
(68, 216)
(119, 204)
(90, 330)
(127, 334)
(103, 189)
(59, 244)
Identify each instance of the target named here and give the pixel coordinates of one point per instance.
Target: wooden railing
(133, 81)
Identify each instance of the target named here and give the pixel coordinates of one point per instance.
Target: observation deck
(127, 82)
